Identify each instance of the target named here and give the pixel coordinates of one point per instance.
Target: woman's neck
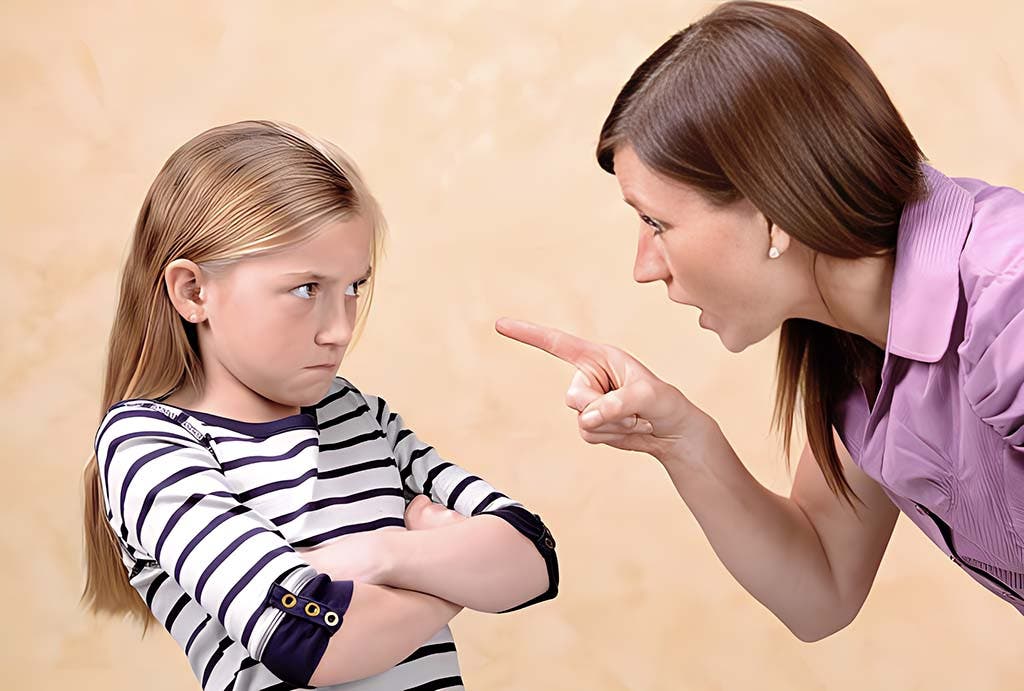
(854, 295)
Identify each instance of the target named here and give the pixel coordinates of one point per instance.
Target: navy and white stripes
(210, 513)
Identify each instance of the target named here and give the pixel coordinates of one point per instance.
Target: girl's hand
(620, 402)
(373, 556)
(423, 514)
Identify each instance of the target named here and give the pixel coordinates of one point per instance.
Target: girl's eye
(306, 291)
(658, 230)
(353, 290)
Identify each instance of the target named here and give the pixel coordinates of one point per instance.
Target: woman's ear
(184, 280)
(778, 241)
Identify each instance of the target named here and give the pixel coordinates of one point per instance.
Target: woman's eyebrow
(636, 205)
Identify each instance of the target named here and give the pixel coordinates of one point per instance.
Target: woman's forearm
(381, 628)
(768, 543)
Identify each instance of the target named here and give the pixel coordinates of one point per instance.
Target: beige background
(475, 124)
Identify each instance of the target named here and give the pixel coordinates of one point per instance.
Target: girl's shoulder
(139, 411)
(342, 392)
(140, 418)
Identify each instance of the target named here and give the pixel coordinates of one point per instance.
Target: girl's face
(278, 324)
(712, 257)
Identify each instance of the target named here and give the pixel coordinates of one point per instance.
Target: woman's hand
(620, 402)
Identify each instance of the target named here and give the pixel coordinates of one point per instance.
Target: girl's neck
(241, 405)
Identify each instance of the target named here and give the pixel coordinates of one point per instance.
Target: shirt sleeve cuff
(311, 616)
(533, 528)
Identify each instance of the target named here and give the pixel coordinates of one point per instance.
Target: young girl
(283, 526)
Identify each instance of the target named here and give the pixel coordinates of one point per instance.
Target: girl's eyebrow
(305, 274)
(319, 278)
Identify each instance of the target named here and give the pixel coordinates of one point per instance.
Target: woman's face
(712, 257)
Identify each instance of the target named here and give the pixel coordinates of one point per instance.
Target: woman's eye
(353, 290)
(652, 223)
(306, 291)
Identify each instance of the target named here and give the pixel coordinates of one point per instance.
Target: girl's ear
(184, 280)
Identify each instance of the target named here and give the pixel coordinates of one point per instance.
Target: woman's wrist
(694, 448)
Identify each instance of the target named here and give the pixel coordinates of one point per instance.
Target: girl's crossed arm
(172, 507)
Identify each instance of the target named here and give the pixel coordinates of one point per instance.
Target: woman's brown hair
(766, 103)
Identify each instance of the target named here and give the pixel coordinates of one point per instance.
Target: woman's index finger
(562, 345)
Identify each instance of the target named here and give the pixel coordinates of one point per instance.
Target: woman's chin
(730, 340)
(733, 347)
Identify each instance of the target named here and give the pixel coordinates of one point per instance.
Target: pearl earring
(192, 317)
(774, 253)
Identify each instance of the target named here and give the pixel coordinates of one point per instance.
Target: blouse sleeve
(992, 352)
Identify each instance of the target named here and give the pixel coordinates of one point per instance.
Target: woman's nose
(649, 265)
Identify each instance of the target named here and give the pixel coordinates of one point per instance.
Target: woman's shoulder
(995, 244)
(992, 261)
(991, 353)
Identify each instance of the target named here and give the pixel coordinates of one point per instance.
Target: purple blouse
(945, 437)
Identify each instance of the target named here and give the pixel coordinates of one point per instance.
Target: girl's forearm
(482, 563)
(381, 628)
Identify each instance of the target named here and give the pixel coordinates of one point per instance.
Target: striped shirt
(210, 512)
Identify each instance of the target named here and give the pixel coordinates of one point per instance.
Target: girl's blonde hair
(231, 192)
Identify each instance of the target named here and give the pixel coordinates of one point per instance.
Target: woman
(777, 185)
